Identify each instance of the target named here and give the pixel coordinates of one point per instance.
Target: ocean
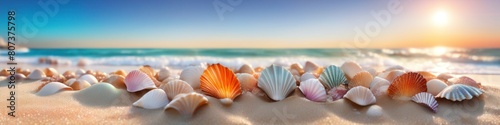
(438, 59)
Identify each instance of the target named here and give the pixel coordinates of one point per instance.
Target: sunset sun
(441, 18)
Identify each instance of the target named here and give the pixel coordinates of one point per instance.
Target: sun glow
(441, 18)
(439, 51)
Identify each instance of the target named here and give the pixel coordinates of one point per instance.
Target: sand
(68, 108)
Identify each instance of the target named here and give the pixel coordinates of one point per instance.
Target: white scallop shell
(187, 104)
(378, 82)
(248, 82)
(361, 96)
(434, 86)
(277, 82)
(351, 69)
(176, 87)
(313, 90)
(427, 99)
(89, 78)
(306, 76)
(459, 92)
(154, 99)
(192, 75)
(137, 80)
(163, 74)
(79, 72)
(52, 88)
(37, 74)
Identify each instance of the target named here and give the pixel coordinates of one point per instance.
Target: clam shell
(176, 87)
(434, 86)
(363, 78)
(394, 74)
(332, 77)
(378, 82)
(163, 74)
(89, 78)
(246, 68)
(427, 99)
(298, 68)
(137, 81)
(459, 92)
(306, 76)
(312, 67)
(192, 75)
(220, 82)
(277, 82)
(49, 72)
(79, 85)
(248, 82)
(351, 69)
(52, 88)
(407, 85)
(79, 72)
(116, 80)
(467, 81)
(36, 75)
(313, 90)
(361, 96)
(19, 76)
(154, 99)
(427, 75)
(186, 104)
(337, 93)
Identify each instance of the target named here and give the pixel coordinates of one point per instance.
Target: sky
(254, 23)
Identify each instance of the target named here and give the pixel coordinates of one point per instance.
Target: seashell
(350, 69)
(363, 78)
(171, 78)
(258, 69)
(176, 87)
(406, 86)
(89, 78)
(186, 104)
(154, 99)
(52, 88)
(116, 80)
(79, 72)
(382, 90)
(120, 72)
(220, 82)
(90, 72)
(394, 74)
(313, 90)
(19, 76)
(459, 92)
(332, 77)
(99, 95)
(337, 93)
(151, 73)
(277, 82)
(246, 68)
(372, 71)
(79, 84)
(297, 67)
(427, 75)
(248, 82)
(192, 75)
(137, 81)
(100, 76)
(312, 67)
(26, 72)
(36, 75)
(69, 74)
(378, 82)
(444, 77)
(467, 81)
(70, 81)
(49, 72)
(395, 67)
(361, 96)
(435, 86)
(4, 72)
(306, 76)
(427, 99)
(163, 74)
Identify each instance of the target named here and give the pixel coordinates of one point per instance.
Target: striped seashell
(313, 90)
(332, 77)
(220, 82)
(363, 78)
(277, 82)
(137, 81)
(176, 87)
(427, 99)
(459, 92)
(186, 104)
(406, 86)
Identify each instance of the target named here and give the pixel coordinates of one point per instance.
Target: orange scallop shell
(407, 85)
(220, 82)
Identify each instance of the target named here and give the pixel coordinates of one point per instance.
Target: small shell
(49, 72)
(220, 82)
(137, 81)
(163, 74)
(89, 78)
(192, 75)
(36, 75)
(427, 99)
(467, 81)
(337, 93)
(79, 72)
(154, 99)
(171, 78)
(120, 72)
(407, 85)
(70, 81)
(427, 75)
(307, 76)
(312, 67)
(176, 87)
(363, 78)
(100, 76)
(459, 92)
(20, 77)
(361, 96)
(186, 104)
(90, 72)
(332, 77)
(79, 84)
(69, 74)
(26, 72)
(277, 82)
(313, 90)
(52, 88)
(150, 72)
(258, 69)
(444, 77)
(116, 80)
(435, 86)
(351, 69)
(378, 82)
(4, 72)
(247, 81)
(394, 74)
(298, 68)
(246, 68)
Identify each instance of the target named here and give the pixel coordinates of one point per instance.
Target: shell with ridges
(137, 81)
(246, 68)
(427, 99)
(176, 87)
(434, 86)
(192, 75)
(120, 72)
(186, 104)
(427, 75)
(151, 73)
(36, 75)
(351, 69)
(248, 82)
(277, 82)
(89, 78)
(52, 88)
(332, 77)
(154, 99)
(361, 96)
(363, 78)
(313, 90)
(467, 81)
(307, 76)
(220, 82)
(459, 92)
(407, 85)
(378, 82)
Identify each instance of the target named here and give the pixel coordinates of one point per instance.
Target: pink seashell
(337, 93)
(313, 90)
(137, 81)
(467, 81)
(427, 99)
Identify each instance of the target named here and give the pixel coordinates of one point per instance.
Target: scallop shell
(337, 93)
(154, 99)
(69, 74)
(36, 75)
(435, 86)
(407, 85)
(79, 72)
(332, 77)
(459, 92)
(120, 72)
(248, 82)
(307, 76)
(277, 82)
(246, 68)
(312, 67)
(427, 75)
(150, 72)
(137, 81)
(116, 80)
(394, 74)
(171, 78)
(163, 74)
(378, 82)
(313, 90)
(361, 96)
(350, 69)
(220, 82)
(297, 67)
(363, 78)
(49, 72)
(427, 99)
(52, 88)
(176, 87)
(89, 78)
(79, 84)
(192, 75)
(467, 81)
(187, 104)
